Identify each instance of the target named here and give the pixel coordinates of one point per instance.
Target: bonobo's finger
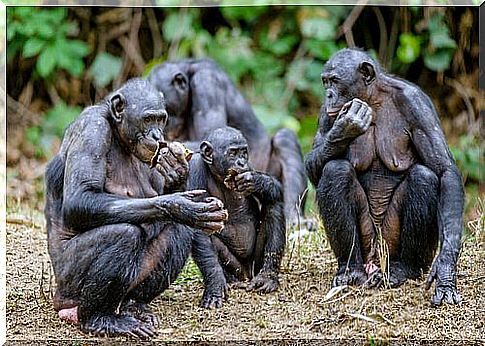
(217, 215)
(210, 206)
(239, 285)
(246, 176)
(215, 199)
(193, 194)
(210, 227)
(145, 332)
(431, 278)
(437, 298)
(356, 105)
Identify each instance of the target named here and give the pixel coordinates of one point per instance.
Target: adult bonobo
(251, 245)
(115, 240)
(200, 97)
(381, 166)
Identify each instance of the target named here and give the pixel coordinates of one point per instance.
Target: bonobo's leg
(269, 249)
(345, 214)
(99, 267)
(165, 257)
(410, 225)
(233, 268)
(286, 164)
(205, 256)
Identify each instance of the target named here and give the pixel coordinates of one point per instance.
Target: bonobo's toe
(118, 325)
(351, 277)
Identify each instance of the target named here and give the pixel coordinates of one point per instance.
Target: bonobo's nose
(242, 164)
(156, 134)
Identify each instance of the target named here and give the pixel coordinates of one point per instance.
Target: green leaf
(439, 60)
(58, 118)
(319, 28)
(442, 40)
(77, 48)
(177, 24)
(32, 47)
(409, 48)
(76, 68)
(105, 69)
(47, 61)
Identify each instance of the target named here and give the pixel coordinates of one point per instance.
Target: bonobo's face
(226, 153)
(347, 75)
(174, 84)
(139, 115)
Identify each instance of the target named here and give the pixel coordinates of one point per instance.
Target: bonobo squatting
(251, 245)
(200, 97)
(116, 237)
(380, 162)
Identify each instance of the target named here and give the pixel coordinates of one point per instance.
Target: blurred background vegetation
(60, 60)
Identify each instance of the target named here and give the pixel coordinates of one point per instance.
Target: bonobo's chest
(241, 228)
(127, 176)
(388, 139)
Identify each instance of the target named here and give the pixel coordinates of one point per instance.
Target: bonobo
(200, 97)
(251, 245)
(383, 172)
(116, 238)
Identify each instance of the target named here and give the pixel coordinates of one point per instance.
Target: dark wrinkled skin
(247, 252)
(380, 161)
(117, 237)
(200, 98)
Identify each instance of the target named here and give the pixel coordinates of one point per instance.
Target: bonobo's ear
(180, 81)
(117, 105)
(367, 70)
(206, 151)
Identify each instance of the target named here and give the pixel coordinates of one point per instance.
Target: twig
(155, 30)
(464, 95)
(383, 35)
(19, 108)
(346, 28)
(290, 87)
(23, 222)
(392, 40)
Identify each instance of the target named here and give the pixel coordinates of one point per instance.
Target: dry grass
(299, 310)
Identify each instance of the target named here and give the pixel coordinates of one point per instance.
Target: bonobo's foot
(118, 325)
(353, 276)
(214, 296)
(264, 282)
(141, 312)
(445, 275)
(398, 274)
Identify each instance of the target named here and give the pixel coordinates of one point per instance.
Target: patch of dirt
(298, 310)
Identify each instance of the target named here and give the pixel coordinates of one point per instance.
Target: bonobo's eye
(244, 153)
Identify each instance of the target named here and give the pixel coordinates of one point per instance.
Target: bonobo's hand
(194, 209)
(172, 163)
(214, 295)
(354, 118)
(445, 291)
(245, 183)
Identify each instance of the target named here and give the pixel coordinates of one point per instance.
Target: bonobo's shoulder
(405, 89)
(90, 126)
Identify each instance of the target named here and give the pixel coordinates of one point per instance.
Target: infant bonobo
(252, 242)
(116, 238)
(387, 186)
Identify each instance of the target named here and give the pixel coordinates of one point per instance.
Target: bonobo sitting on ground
(200, 97)
(382, 168)
(251, 245)
(116, 238)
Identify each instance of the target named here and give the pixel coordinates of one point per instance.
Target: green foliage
(42, 34)
(105, 69)
(469, 158)
(434, 45)
(51, 128)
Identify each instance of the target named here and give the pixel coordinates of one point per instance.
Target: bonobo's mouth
(334, 111)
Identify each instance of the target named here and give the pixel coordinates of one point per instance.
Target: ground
(301, 309)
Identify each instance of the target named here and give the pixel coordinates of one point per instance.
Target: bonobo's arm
(334, 136)
(431, 146)
(86, 204)
(208, 103)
